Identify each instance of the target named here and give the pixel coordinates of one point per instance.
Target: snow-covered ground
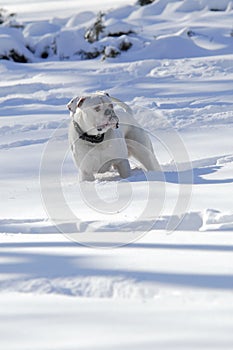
(153, 266)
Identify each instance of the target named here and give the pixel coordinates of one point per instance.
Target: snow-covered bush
(13, 55)
(45, 47)
(89, 55)
(145, 2)
(93, 33)
(8, 19)
(106, 38)
(12, 46)
(125, 45)
(215, 5)
(111, 52)
(116, 28)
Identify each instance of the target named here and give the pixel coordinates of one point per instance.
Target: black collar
(84, 136)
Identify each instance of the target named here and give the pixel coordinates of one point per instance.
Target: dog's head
(94, 113)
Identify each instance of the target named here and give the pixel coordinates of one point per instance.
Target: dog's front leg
(123, 168)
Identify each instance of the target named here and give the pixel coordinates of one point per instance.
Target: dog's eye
(97, 108)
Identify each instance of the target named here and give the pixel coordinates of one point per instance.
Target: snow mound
(40, 28)
(173, 46)
(214, 220)
(12, 46)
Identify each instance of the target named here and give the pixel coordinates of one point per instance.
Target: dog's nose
(114, 120)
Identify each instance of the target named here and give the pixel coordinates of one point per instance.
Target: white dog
(101, 139)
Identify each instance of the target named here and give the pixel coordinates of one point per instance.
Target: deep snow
(168, 288)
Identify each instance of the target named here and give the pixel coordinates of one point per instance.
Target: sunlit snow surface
(165, 289)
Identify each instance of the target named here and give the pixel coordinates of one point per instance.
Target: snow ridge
(85, 287)
(208, 220)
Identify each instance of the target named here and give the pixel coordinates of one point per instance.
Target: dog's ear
(80, 101)
(74, 103)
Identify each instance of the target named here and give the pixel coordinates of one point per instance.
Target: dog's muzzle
(112, 122)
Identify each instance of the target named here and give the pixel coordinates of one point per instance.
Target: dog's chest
(94, 156)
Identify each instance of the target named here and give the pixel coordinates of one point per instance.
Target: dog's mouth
(109, 125)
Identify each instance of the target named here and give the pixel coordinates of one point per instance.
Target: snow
(141, 263)
(173, 34)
